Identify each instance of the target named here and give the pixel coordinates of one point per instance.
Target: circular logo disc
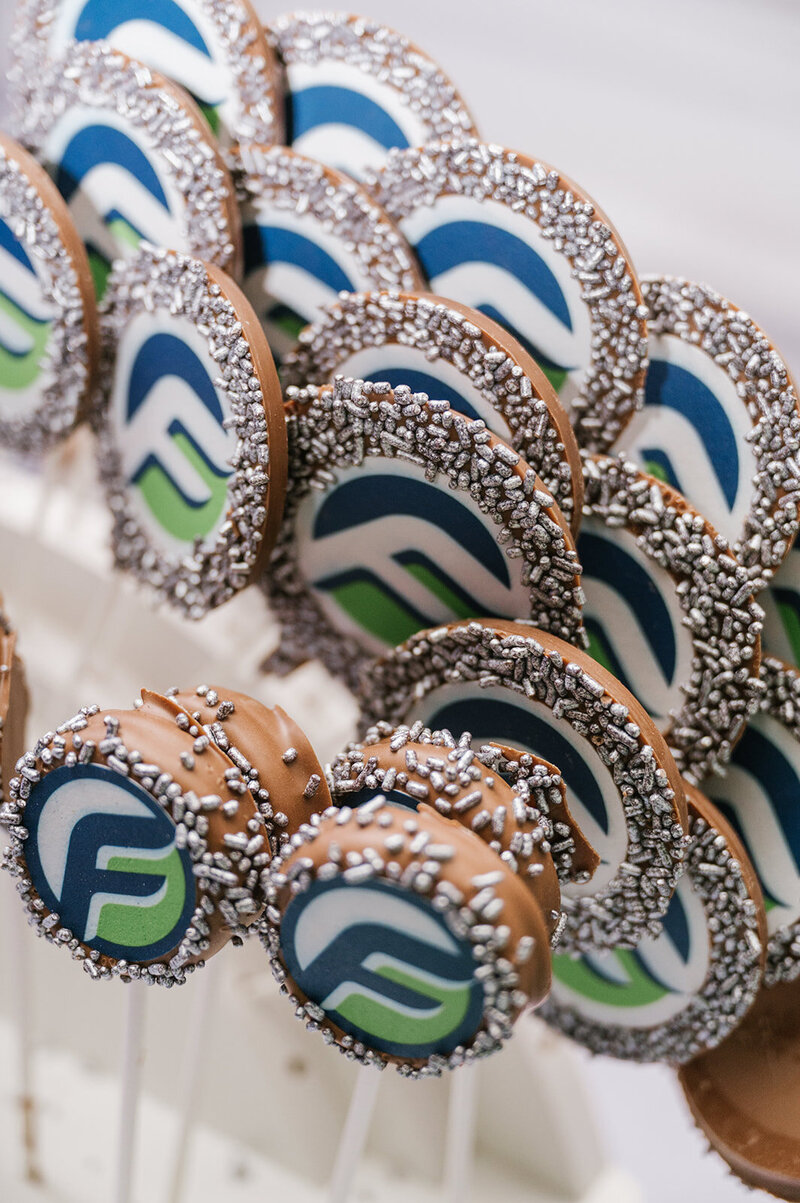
(48, 331)
(102, 855)
(192, 433)
(401, 514)
(721, 420)
(453, 354)
(133, 159)
(383, 966)
(310, 234)
(683, 991)
(355, 89)
(215, 49)
(669, 611)
(516, 240)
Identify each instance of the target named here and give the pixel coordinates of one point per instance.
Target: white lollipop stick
(459, 1153)
(133, 1057)
(55, 475)
(354, 1134)
(199, 1022)
(20, 979)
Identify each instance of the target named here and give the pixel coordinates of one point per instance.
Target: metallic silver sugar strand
(159, 279)
(94, 75)
(65, 364)
(381, 319)
(356, 420)
(714, 592)
(633, 903)
(257, 118)
(343, 209)
(613, 385)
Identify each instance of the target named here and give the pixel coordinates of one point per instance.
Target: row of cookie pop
(118, 137)
(418, 853)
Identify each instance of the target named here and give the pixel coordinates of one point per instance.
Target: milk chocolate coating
(503, 830)
(336, 840)
(162, 743)
(516, 765)
(745, 1094)
(296, 784)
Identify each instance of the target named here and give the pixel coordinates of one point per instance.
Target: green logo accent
(639, 990)
(598, 650)
(791, 625)
(393, 1027)
(169, 507)
(100, 267)
(383, 616)
(141, 926)
(20, 371)
(556, 376)
(211, 114)
(657, 470)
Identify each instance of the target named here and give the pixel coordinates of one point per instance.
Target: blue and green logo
(164, 34)
(644, 986)
(174, 444)
(102, 855)
(25, 317)
(390, 553)
(383, 966)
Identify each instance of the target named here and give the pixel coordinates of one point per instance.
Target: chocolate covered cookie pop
(355, 88)
(191, 431)
(215, 49)
(401, 513)
(133, 845)
(402, 937)
(133, 158)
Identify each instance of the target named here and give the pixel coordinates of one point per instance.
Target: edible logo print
(494, 715)
(440, 381)
(102, 856)
(170, 431)
(389, 553)
(292, 273)
(633, 619)
(383, 966)
(25, 324)
(692, 433)
(170, 36)
(759, 796)
(649, 985)
(483, 255)
(341, 116)
(116, 196)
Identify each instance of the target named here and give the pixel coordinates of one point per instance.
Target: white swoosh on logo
(171, 399)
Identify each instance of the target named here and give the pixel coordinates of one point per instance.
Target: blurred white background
(681, 120)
